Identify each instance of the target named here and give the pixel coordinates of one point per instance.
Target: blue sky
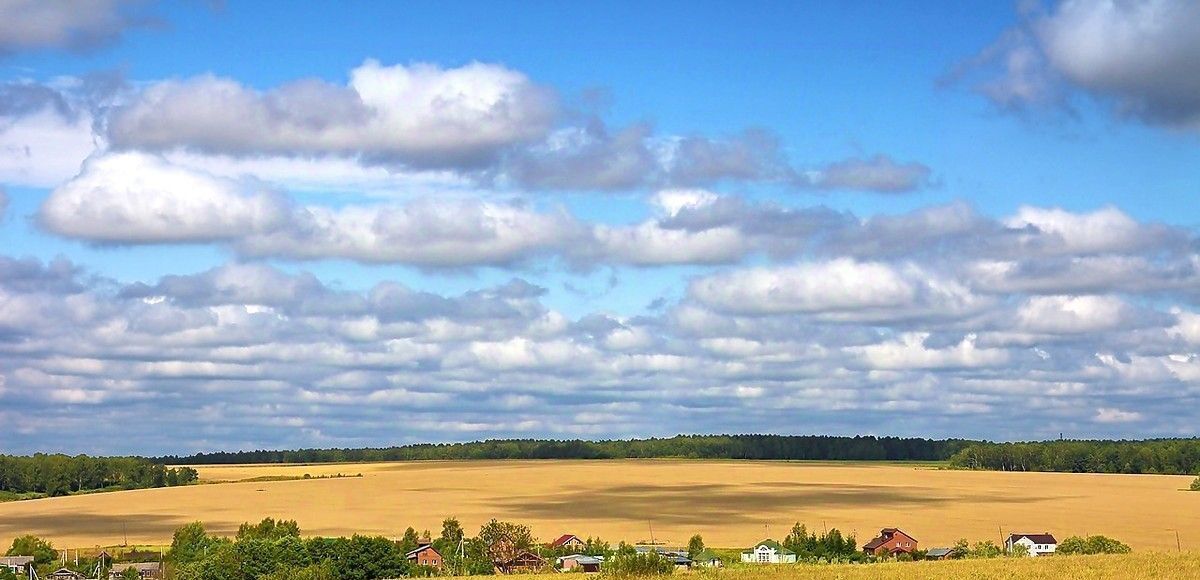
(940, 220)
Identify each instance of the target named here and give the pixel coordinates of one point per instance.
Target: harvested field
(732, 503)
(1146, 565)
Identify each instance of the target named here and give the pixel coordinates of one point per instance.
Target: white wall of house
(1034, 548)
(767, 555)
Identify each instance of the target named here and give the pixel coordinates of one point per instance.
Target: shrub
(1196, 484)
(1092, 545)
(627, 562)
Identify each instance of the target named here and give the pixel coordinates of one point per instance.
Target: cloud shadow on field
(108, 529)
(699, 504)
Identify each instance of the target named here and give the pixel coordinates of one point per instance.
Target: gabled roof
(137, 566)
(884, 535)
(770, 544)
(1043, 538)
(939, 552)
(66, 572)
(581, 558)
(563, 539)
(422, 548)
(16, 560)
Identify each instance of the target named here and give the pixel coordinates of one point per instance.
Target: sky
(242, 225)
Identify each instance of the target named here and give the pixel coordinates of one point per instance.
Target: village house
(768, 552)
(145, 570)
(580, 562)
(567, 541)
(940, 554)
(890, 541)
(425, 555)
(523, 562)
(65, 574)
(18, 565)
(1037, 544)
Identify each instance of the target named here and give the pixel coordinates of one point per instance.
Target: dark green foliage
(1168, 456)
(504, 540)
(6, 574)
(1195, 485)
(42, 551)
(985, 549)
(268, 529)
(271, 550)
(830, 545)
(628, 562)
(1092, 545)
(690, 446)
(55, 475)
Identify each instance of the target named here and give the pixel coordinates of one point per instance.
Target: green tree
(1092, 545)
(131, 574)
(43, 552)
(695, 546)
(410, 540)
(504, 540)
(1020, 551)
(452, 531)
(190, 544)
(269, 529)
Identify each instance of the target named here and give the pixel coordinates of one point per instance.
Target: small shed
(581, 562)
(708, 559)
(941, 554)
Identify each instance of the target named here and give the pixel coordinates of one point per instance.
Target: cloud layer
(1141, 58)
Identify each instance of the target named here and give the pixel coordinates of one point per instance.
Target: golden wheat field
(731, 503)
(1143, 566)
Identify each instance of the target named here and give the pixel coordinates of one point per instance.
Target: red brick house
(890, 541)
(425, 555)
(569, 541)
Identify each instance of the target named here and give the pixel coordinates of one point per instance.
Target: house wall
(1034, 549)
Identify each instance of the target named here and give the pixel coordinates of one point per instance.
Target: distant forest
(1166, 456)
(684, 446)
(51, 475)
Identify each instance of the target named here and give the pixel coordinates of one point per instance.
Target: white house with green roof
(768, 552)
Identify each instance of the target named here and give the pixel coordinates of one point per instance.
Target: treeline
(54, 475)
(1165, 456)
(808, 447)
(275, 550)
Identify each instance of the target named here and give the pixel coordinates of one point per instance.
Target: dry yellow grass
(731, 503)
(1146, 565)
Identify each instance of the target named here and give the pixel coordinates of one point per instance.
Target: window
(764, 557)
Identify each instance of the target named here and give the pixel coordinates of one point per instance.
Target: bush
(627, 562)
(1196, 484)
(1092, 545)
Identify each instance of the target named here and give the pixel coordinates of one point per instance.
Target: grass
(730, 503)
